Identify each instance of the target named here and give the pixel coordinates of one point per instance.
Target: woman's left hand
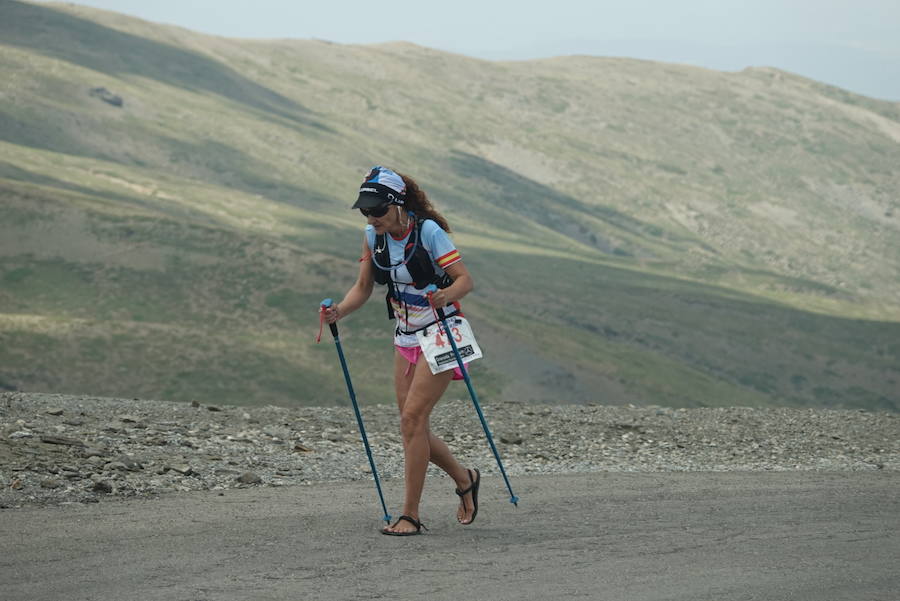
(462, 285)
(438, 299)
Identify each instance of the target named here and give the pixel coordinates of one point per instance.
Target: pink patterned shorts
(412, 354)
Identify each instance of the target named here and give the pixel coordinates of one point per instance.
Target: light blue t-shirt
(412, 309)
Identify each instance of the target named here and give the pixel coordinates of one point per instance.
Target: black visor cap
(368, 200)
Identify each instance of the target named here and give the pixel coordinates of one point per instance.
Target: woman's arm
(461, 286)
(358, 294)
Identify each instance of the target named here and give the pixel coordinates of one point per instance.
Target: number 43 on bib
(437, 349)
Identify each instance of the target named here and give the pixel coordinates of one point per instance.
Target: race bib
(436, 346)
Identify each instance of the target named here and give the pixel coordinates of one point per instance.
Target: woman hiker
(406, 247)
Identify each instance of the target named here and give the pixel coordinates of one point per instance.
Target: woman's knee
(413, 421)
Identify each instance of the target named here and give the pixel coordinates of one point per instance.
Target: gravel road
(139, 499)
(686, 536)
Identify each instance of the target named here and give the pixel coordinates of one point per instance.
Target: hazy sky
(854, 44)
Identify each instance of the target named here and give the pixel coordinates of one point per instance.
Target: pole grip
(326, 304)
(429, 290)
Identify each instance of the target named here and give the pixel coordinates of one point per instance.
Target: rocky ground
(58, 449)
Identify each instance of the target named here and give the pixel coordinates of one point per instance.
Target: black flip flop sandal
(419, 527)
(473, 488)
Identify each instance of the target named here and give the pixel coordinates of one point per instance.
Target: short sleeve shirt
(411, 309)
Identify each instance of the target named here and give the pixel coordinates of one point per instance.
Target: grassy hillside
(173, 206)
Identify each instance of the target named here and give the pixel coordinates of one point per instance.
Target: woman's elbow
(468, 284)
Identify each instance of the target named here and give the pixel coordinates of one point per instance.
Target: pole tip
(387, 518)
(514, 500)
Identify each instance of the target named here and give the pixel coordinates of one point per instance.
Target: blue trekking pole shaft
(431, 288)
(359, 420)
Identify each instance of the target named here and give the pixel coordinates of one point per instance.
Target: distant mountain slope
(173, 206)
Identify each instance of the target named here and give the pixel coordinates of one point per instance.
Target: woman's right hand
(332, 314)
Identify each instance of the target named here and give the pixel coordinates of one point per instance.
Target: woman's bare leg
(418, 390)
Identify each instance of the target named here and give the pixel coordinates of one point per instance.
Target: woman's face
(387, 222)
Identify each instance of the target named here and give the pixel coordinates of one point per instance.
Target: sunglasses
(376, 212)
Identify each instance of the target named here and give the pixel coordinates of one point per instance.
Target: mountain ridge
(572, 185)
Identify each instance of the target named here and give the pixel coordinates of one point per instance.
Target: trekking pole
(359, 420)
(429, 290)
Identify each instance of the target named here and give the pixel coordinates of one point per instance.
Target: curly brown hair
(417, 202)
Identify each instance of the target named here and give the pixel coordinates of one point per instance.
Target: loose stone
(102, 487)
(154, 447)
(249, 478)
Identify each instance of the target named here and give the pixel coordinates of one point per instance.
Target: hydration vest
(415, 258)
